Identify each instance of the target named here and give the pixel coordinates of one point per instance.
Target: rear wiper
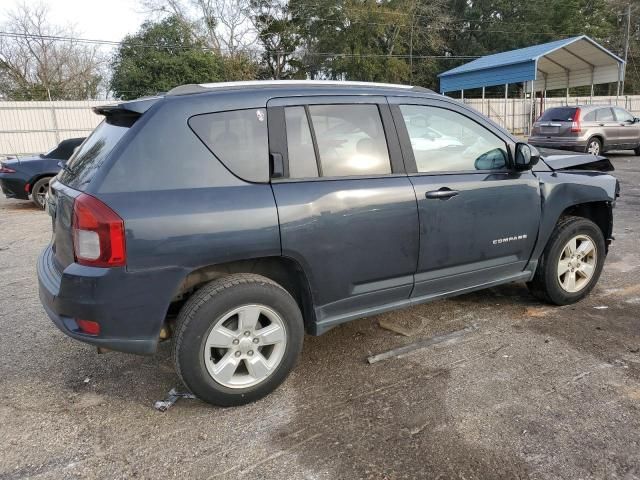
(63, 166)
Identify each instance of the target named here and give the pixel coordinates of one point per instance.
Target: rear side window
(350, 139)
(560, 114)
(238, 139)
(302, 157)
(590, 117)
(604, 115)
(83, 165)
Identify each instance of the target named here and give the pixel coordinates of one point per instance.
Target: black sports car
(21, 177)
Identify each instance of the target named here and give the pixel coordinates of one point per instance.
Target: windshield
(561, 114)
(86, 161)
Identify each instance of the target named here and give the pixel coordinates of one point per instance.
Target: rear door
(347, 210)
(557, 122)
(606, 121)
(478, 216)
(76, 176)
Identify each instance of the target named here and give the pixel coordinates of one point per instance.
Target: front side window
(238, 139)
(350, 140)
(447, 141)
(623, 115)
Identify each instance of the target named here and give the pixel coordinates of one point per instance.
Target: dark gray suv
(236, 217)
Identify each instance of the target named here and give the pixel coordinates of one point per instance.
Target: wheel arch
(285, 271)
(600, 137)
(38, 177)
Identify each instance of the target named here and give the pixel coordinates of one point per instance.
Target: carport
(562, 64)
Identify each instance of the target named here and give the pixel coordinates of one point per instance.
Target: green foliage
(166, 54)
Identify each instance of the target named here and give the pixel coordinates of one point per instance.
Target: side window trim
(314, 140)
(405, 142)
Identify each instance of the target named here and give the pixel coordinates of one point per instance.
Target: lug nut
(255, 340)
(236, 341)
(247, 333)
(250, 352)
(238, 354)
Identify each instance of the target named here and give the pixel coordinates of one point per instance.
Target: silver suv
(587, 128)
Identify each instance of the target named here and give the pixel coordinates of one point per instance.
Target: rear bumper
(577, 144)
(14, 188)
(130, 307)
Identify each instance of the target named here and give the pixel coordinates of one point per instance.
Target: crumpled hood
(579, 162)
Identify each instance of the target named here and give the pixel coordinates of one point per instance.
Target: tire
(212, 315)
(594, 145)
(39, 191)
(548, 285)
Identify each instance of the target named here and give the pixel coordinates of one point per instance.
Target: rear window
(83, 165)
(560, 114)
(238, 139)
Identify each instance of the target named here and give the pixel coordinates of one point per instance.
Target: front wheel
(39, 192)
(237, 339)
(571, 262)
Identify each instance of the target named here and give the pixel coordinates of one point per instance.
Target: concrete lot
(536, 391)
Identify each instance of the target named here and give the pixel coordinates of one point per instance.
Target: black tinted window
(604, 115)
(83, 165)
(351, 140)
(559, 114)
(302, 157)
(623, 115)
(238, 139)
(447, 141)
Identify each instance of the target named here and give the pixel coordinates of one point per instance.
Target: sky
(95, 19)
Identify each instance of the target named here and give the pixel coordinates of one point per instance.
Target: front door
(347, 209)
(628, 129)
(478, 216)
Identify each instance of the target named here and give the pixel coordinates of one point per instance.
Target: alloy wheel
(594, 147)
(577, 263)
(245, 346)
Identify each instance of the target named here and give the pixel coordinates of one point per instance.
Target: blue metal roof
(513, 66)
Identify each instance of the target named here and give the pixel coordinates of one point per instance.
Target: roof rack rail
(204, 87)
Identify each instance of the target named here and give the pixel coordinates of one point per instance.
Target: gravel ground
(535, 391)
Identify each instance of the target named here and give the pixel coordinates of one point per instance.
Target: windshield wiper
(63, 166)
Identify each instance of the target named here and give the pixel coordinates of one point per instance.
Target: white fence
(518, 112)
(36, 127)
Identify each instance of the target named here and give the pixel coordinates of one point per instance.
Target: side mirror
(492, 160)
(526, 156)
(636, 120)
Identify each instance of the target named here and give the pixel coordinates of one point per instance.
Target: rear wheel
(237, 339)
(39, 191)
(594, 146)
(571, 262)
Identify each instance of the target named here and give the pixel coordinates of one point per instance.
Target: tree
(165, 54)
(222, 25)
(35, 65)
(280, 39)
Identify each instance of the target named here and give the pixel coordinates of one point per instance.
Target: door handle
(441, 194)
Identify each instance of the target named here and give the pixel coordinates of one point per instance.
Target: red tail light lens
(98, 234)
(89, 327)
(576, 127)
(4, 169)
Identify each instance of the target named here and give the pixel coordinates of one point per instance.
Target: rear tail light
(88, 326)
(4, 169)
(98, 234)
(576, 127)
